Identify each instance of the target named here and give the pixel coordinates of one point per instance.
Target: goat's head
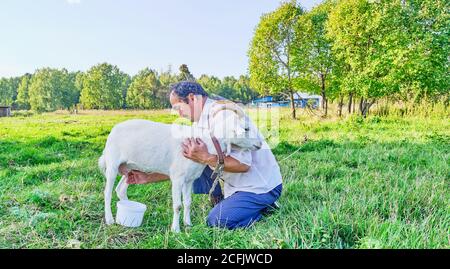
(232, 127)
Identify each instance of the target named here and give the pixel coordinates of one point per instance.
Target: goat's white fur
(155, 147)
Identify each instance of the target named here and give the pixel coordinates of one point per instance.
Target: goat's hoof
(175, 229)
(109, 221)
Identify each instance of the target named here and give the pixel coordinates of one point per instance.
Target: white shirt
(264, 173)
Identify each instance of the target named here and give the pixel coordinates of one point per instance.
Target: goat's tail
(102, 164)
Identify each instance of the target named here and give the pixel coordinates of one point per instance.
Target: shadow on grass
(328, 160)
(285, 148)
(438, 141)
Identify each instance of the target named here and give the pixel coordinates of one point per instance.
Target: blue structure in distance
(301, 100)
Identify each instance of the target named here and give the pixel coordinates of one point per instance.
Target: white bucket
(130, 213)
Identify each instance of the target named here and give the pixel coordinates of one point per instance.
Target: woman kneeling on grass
(252, 179)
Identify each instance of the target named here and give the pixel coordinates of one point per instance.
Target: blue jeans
(203, 184)
(239, 210)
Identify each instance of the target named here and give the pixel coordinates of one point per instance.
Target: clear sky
(210, 36)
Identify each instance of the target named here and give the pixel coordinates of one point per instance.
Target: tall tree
(313, 56)
(243, 90)
(391, 48)
(185, 74)
(226, 88)
(166, 78)
(45, 90)
(104, 87)
(211, 84)
(354, 25)
(143, 90)
(270, 55)
(231, 88)
(23, 99)
(71, 93)
(419, 45)
(79, 78)
(8, 90)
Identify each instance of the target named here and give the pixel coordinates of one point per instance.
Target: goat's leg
(177, 184)
(187, 193)
(121, 188)
(111, 174)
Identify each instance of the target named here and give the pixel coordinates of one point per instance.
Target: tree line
(351, 52)
(354, 52)
(105, 86)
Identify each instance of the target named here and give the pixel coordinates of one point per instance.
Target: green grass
(373, 183)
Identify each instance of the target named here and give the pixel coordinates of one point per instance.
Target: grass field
(382, 182)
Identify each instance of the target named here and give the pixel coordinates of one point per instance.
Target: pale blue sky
(210, 36)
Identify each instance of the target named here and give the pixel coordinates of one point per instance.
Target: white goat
(156, 147)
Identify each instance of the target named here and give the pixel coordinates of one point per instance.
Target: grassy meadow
(380, 182)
